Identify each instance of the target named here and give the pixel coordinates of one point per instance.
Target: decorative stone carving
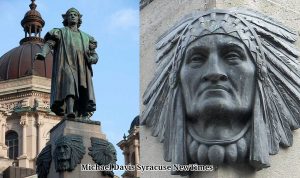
(43, 162)
(69, 150)
(226, 89)
(24, 120)
(103, 153)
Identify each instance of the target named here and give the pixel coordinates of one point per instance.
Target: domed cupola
(19, 62)
(32, 24)
(135, 122)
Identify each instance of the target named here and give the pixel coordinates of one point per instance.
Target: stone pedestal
(84, 129)
(4, 164)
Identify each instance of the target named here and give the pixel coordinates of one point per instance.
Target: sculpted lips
(216, 88)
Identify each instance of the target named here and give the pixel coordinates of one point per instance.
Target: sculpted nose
(214, 77)
(214, 71)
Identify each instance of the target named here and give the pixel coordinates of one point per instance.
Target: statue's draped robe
(71, 73)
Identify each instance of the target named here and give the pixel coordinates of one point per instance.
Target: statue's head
(217, 81)
(63, 152)
(68, 152)
(72, 16)
(223, 90)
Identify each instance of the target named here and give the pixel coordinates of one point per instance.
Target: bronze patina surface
(226, 89)
(72, 92)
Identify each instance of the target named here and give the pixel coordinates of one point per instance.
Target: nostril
(215, 77)
(223, 78)
(205, 78)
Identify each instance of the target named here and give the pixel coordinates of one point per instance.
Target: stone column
(125, 153)
(3, 125)
(2, 142)
(3, 131)
(3, 151)
(24, 123)
(137, 155)
(23, 161)
(136, 151)
(39, 125)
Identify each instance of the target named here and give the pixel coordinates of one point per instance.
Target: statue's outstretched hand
(39, 56)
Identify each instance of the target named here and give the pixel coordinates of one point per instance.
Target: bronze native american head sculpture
(226, 89)
(68, 152)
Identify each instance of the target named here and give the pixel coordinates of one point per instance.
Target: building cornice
(23, 84)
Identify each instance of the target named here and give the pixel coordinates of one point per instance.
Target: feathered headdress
(77, 151)
(276, 110)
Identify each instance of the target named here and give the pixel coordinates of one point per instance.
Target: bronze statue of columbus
(72, 92)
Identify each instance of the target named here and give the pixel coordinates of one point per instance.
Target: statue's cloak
(71, 73)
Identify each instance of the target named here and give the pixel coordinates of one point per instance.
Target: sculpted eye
(198, 58)
(233, 57)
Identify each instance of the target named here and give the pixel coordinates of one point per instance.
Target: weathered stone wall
(157, 17)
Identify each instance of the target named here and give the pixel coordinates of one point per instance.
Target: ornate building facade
(130, 145)
(25, 116)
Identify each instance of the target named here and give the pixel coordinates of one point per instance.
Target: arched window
(11, 140)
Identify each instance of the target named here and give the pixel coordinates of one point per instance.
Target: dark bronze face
(217, 79)
(63, 152)
(73, 18)
(225, 89)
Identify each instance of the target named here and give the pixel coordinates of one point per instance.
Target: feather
(288, 85)
(162, 52)
(102, 151)
(268, 24)
(153, 111)
(290, 95)
(168, 41)
(284, 68)
(282, 60)
(78, 150)
(159, 78)
(154, 97)
(273, 137)
(288, 47)
(285, 133)
(290, 102)
(43, 162)
(159, 114)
